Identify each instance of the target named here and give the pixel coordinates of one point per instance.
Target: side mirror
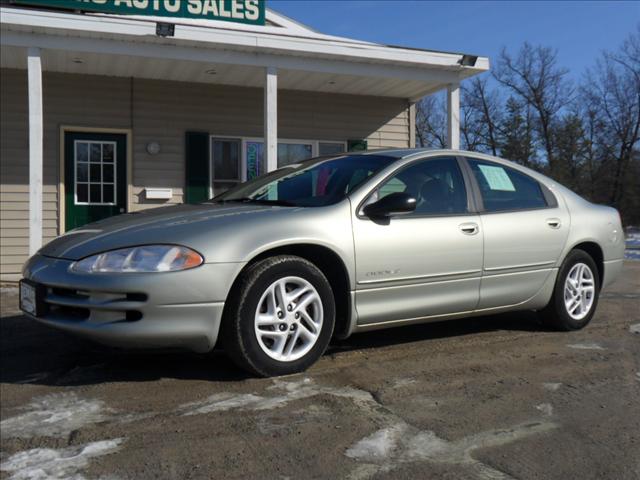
(393, 204)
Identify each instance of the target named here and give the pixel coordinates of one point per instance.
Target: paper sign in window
(497, 178)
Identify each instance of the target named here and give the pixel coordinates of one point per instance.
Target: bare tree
(481, 115)
(534, 76)
(431, 123)
(612, 89)
(516, 139)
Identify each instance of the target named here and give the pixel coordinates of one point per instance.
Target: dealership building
(113, 106)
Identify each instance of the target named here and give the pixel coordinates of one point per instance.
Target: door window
(95, 180)
(226, 173)
(503, 188)
(95, 173)
(437, 185)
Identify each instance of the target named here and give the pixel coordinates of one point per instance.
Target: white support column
(34, 66)
(271, 118)
(453, 116)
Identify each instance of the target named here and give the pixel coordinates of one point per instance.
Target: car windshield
(314, 183)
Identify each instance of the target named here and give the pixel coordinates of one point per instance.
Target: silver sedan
(276, 267)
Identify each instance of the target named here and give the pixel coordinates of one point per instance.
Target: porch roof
(218, 52)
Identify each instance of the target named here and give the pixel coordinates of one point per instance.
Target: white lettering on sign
(223, 11)
(172, 6)
(210, 6)
(252, 9)
(236, 9)
(194, 7)
(247, 11)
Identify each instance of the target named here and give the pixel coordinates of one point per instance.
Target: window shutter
(196, 167)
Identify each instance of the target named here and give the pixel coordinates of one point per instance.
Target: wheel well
(331, 266)
(595, 252)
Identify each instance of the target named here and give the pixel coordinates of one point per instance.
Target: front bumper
(151, 310)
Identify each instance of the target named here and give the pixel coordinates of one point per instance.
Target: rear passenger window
(503, 188)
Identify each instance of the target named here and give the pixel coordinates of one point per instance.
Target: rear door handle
(554, 223)
(469, 228)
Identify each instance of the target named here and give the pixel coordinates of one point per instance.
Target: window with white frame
(95, 172)
(289, 151)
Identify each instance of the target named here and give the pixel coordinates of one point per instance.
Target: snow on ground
(49, 463)
(633, 244)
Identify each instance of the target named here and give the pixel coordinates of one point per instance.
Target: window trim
(315, 148)
(472, 208)
(102, 183)
(549, 198)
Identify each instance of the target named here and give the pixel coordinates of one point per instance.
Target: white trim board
(141, 31)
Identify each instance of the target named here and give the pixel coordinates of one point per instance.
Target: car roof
(401, 153)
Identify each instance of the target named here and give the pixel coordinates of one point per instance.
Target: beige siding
(164, 111)
(68, 100)
(160, 111)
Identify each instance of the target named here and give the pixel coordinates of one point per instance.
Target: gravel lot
(490, 398)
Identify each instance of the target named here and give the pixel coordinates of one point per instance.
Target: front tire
(575, 295)
(280, 317)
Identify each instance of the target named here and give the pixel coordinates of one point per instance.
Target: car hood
(194, 226)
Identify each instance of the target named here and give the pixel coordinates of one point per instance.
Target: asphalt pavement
(496, 397)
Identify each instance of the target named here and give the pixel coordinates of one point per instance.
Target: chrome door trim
(513, 267)
(419, 277)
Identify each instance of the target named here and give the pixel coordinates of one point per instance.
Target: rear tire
(280, 317)
(575, 295)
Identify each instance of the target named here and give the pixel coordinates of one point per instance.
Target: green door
(95, 177)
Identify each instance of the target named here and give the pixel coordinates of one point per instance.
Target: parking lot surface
(496, 397)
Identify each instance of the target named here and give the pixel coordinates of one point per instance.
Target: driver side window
(437, 185)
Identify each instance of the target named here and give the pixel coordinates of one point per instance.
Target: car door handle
(469, 228)
(554, 223)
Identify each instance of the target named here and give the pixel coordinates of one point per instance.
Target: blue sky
(580, 30)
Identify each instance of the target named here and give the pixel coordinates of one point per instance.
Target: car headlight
(143, 259)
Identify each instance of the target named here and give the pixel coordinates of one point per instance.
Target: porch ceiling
(87, 63)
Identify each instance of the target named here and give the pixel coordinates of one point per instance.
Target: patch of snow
(545, 408)
(635, 328)
(633, 237)
(552, 387)
(391, 447)
(286, 392)
(404, 382)
(48, 463)
(54, 415)
(425, 444)
(632, 254)
(378, 445)
(586, 346)
(221, 402)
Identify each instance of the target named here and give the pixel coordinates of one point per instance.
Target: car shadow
(34, 354)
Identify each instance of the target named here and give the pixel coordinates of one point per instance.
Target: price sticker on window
(497, 178)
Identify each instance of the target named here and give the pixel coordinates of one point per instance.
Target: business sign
(254, 155)
(241, 11)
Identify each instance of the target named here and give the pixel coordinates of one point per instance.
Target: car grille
(98, 307)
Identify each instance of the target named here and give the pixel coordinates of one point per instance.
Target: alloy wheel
(579, 291)
(288, 320)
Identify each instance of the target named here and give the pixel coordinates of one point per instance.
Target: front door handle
(554, 223)
(469, 228)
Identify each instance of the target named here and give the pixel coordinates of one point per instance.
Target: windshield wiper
(281, 203)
